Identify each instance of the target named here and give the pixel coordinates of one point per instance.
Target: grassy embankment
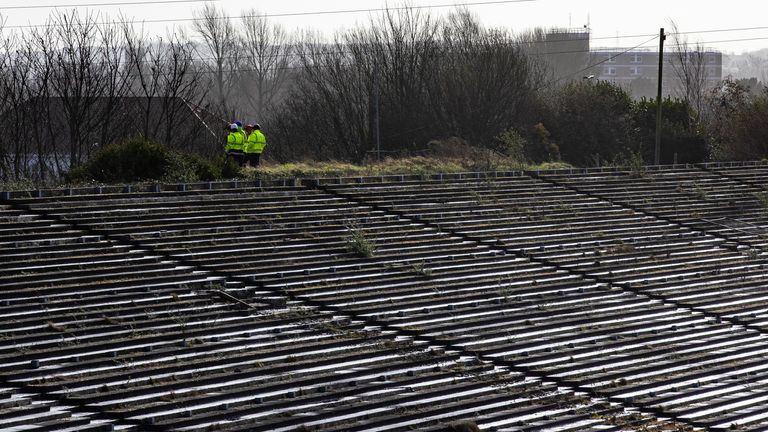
(412, 165)
(312, 169)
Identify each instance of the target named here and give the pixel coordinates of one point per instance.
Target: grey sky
(718, 25)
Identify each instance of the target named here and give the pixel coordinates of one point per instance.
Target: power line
(320, 66)
(342, 11)
(289, 14)
(607, 50)
(720, 30)
(437, 6)
(346, 11)
(722, 41)
(693, 45)
(122, 3)
(603, 61)
(640, 45)
(333, 52)
(690, 32)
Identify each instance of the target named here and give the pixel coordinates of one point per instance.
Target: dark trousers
(237, 157)
(253, 158)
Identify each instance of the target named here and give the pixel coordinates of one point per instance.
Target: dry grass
(389, 166)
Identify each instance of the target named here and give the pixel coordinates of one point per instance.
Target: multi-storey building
(566, 51)
(569, 56)
(637, 71)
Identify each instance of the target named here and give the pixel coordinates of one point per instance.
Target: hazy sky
(720, 25)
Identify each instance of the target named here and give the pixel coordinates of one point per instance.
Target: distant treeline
(405, 80)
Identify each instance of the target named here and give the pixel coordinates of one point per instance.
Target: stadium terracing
(571, 300)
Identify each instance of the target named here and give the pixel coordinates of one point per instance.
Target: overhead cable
(121, 3)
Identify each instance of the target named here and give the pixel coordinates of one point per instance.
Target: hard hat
(233, 127)
(257, 126)
(249, 126)
(238, 124)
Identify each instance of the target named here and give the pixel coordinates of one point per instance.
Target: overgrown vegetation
(738, 126)
(632, 162)
(486, 92)
(418, 165)
(762, 200)
(138, 160)
(358, 243)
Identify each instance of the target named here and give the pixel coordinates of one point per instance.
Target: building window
(609, 71)
(637, 58)
(611, 59)
(634, 70)
(711, 59)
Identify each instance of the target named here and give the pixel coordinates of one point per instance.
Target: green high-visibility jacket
(234, 141)
(255, 142)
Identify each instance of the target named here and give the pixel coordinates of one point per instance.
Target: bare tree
(485, 80)
(11, 151)
(70, 87)
(688, 64)
(42, 121)
(435, 78)
(16, 146)
(405, 52)
(181, 89)
(36, 102)
(166, 81)
(331, 91)
(266, 53)
(219, 55)
(146, 68)
(117, 79)
(78, 76)
(759, 67)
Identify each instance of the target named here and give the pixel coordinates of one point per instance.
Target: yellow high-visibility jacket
(234, 141)
(256, 142)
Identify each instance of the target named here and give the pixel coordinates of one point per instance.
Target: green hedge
(138, 160)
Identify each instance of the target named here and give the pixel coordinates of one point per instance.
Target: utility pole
(376, 134)
(657, 149)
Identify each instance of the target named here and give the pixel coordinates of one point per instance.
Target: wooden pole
(657, 148)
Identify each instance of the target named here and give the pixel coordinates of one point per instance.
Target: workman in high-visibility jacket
(235, 145)
(254, 144)
(241, 130)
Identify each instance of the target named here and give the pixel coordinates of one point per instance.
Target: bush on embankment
(137, 160)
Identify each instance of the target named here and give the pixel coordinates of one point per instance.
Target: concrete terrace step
(603, 305)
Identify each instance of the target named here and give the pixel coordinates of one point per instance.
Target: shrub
(18, 185)
(189, 168)
(133, 160)
(679, 132)
(589, 119)
(138, 160)
(358, 244)
(549, 147)
(630, 161)
(511, 143)
(228, 168)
